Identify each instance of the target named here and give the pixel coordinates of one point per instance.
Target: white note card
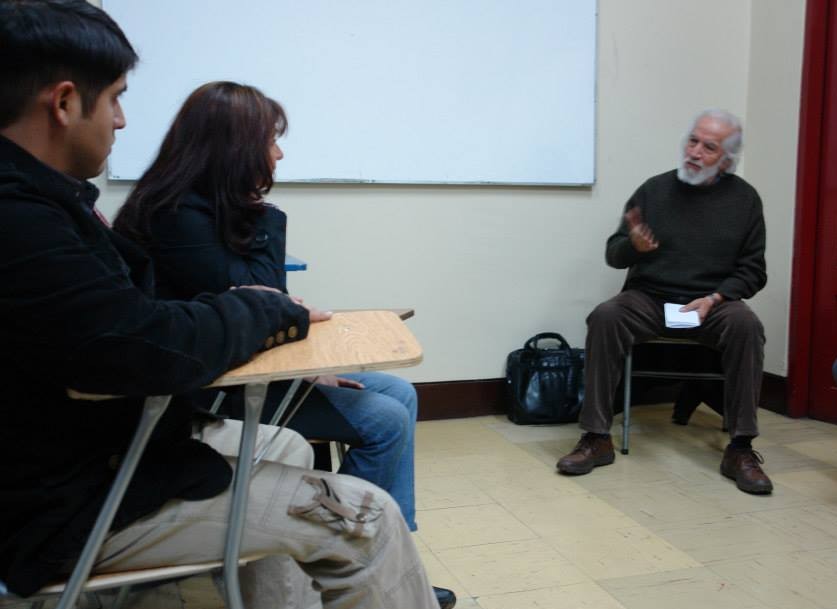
(678, 319)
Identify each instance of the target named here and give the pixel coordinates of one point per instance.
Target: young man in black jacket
(77, 313)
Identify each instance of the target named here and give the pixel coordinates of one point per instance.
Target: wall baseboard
(774, 393)
(459, 399)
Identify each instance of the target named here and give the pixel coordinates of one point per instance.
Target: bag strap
(532, 343)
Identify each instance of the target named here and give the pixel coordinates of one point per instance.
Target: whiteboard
(392, 91)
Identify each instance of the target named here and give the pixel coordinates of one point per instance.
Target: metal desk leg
(626, 406)
(154, 408)
(216, 404)
(254, 396)
(283, 405)
(273, 421)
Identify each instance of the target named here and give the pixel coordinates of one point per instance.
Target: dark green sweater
(711, 240)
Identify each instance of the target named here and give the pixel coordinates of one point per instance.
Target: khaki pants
(367, 561)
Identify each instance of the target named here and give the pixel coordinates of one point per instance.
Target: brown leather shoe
(591, 451)
(744, 466)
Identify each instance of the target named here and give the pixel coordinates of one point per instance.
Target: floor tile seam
(524, 590)
(692, 553)
(623, 525)
(598, 580)
(435, 551)
(715, 566)
(745, 512)
(758, 500)
(584, 583)
(507, 513)
(515, 505)
(562, 561)
(746, 518)
(465, 506)
(653, 520)
(431, 509)
(566, 556)
(620, 529)
(753, 517)
(793, 509)
(656, 584)
(658, 525)
(502, 490)
(745, 556)
(827, 464)
(744, 585)
(831, 468)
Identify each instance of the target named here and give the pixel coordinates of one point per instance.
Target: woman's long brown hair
(217, 146)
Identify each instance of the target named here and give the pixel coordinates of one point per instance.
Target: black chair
(655, 370)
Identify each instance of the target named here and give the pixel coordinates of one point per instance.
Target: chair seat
(105, 581)
(665, 358)
(663, 374)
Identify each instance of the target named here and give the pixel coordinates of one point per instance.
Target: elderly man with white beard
(693, 236)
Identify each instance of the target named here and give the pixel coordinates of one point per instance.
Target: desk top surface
(353, 341)
(349, 342)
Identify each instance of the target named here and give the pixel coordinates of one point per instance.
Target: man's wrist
(715, 298)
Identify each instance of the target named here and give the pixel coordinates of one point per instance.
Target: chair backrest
(152, 411)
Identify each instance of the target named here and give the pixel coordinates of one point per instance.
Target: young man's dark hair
(44, 41)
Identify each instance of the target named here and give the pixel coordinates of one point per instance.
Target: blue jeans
(379, 424)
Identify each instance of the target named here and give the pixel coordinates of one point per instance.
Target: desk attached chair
(349, 342)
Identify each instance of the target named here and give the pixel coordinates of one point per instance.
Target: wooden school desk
(349, 342)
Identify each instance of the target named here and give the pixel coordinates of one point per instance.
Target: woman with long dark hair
(199, 210)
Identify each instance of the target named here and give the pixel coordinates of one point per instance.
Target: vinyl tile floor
(658, 529)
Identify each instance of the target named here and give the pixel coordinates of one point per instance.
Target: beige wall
(486, 267)
(772, 133)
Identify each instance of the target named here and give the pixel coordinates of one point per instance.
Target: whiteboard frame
(282, 177)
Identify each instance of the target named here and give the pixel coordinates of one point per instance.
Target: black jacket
(75, 312)
(190, 256)
(712, 239)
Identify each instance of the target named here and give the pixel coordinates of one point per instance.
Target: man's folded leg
(347, 534)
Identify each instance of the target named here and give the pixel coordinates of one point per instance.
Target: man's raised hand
(640, 234)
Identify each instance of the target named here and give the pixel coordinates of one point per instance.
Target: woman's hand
(329, 380)
(261, 288)
(314, 314)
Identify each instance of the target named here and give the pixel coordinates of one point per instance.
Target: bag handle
(532, 343)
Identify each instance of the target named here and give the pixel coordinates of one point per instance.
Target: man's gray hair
(733, 143)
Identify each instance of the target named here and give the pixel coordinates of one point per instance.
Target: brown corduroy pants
(631, 317)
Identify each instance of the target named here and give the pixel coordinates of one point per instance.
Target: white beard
(703, 175)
